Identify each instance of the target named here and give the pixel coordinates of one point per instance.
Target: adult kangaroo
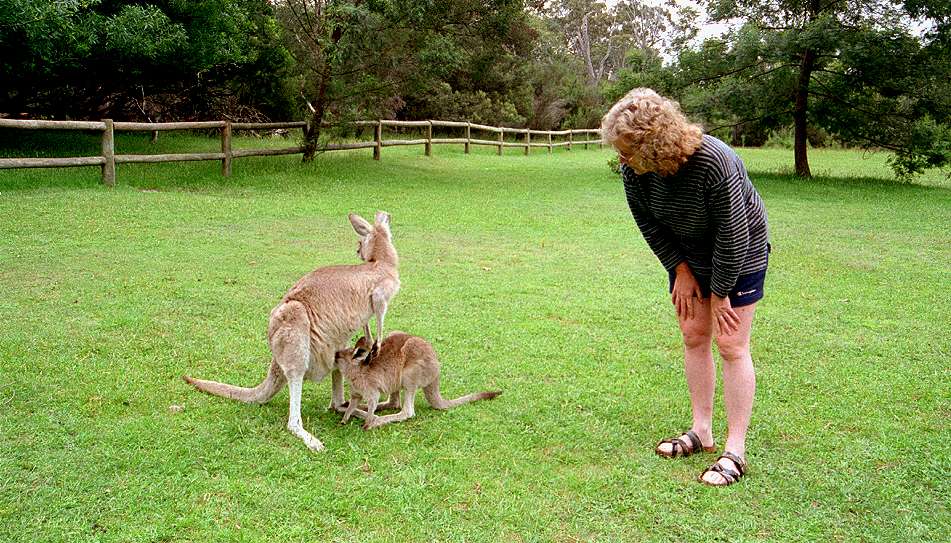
(317, 317)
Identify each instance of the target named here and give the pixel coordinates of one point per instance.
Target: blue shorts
(748, 289)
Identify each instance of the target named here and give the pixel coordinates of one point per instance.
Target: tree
(356, 55)
(601, 36)
(123, 58)
(842, 53)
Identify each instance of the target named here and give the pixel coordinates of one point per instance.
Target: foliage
(826, 66)
(377, 58)
(126, 59)
(602, 36)
(825, 69)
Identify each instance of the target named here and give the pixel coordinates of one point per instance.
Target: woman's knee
(733, 347)
(697, 338)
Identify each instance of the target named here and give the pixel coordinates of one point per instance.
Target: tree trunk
(584, 45)
(312, 135)
(313, 130)
(801, 109)
(800, 113)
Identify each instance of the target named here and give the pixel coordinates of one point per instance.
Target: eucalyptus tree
(602, 35)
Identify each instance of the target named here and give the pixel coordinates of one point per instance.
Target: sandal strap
(673, 447)
(740, 463)
(694, 440)
(678, 447)
(728, 474)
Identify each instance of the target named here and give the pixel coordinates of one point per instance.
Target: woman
(693, 201)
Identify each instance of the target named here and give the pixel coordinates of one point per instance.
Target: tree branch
(725, 74)
(750, 120)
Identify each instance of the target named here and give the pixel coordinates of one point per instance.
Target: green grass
(528, 275)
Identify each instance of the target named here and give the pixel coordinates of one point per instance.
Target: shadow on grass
(826, 183)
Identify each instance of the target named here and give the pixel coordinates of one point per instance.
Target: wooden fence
(108, 159)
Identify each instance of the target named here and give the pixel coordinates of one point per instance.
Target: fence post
(378, 138)
(429, 138)
(585, 141)
(226, 149)
(468, 135)
(501, 138)
(600, 140)
(528, 140)
(108, 153)
(569, 140)
(549, 142)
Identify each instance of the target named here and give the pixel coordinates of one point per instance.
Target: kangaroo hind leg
(408, 411)
(290, 344)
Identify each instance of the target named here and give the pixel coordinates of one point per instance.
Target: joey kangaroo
(317, 317)
(400, 362)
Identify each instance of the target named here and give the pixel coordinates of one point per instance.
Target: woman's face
(632, 162)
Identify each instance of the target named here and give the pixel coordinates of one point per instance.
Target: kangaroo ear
(360, 225)
(383, 219)
(362, 343)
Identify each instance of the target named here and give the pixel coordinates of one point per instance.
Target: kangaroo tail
(271, 385)
(436, 400)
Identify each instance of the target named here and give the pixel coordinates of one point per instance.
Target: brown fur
(400, 362)
(317, 317)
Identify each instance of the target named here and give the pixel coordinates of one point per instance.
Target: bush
(615, 164)
(781, 138)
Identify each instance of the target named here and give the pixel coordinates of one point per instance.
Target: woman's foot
(685, 445)
(728, 469)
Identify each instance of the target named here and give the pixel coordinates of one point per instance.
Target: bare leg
(700, 372)
(409, 403)
(739, 386)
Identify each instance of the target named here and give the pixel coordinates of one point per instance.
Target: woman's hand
(727, 321)
(686, 292)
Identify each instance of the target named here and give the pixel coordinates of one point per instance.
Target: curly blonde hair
(651, 132)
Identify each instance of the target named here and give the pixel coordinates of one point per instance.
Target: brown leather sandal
(730, 476)
(679, 448)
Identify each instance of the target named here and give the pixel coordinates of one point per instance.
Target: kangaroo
(400, 362)
(317, 317)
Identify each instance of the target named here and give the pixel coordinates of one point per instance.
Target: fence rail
(108, 159)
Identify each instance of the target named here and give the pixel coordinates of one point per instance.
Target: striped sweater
(707, 214)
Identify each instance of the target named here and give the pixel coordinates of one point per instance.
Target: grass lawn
(528, 275)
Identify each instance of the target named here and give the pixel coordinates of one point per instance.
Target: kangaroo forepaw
(338, 408)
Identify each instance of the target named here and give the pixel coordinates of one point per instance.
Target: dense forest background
(863, 73)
